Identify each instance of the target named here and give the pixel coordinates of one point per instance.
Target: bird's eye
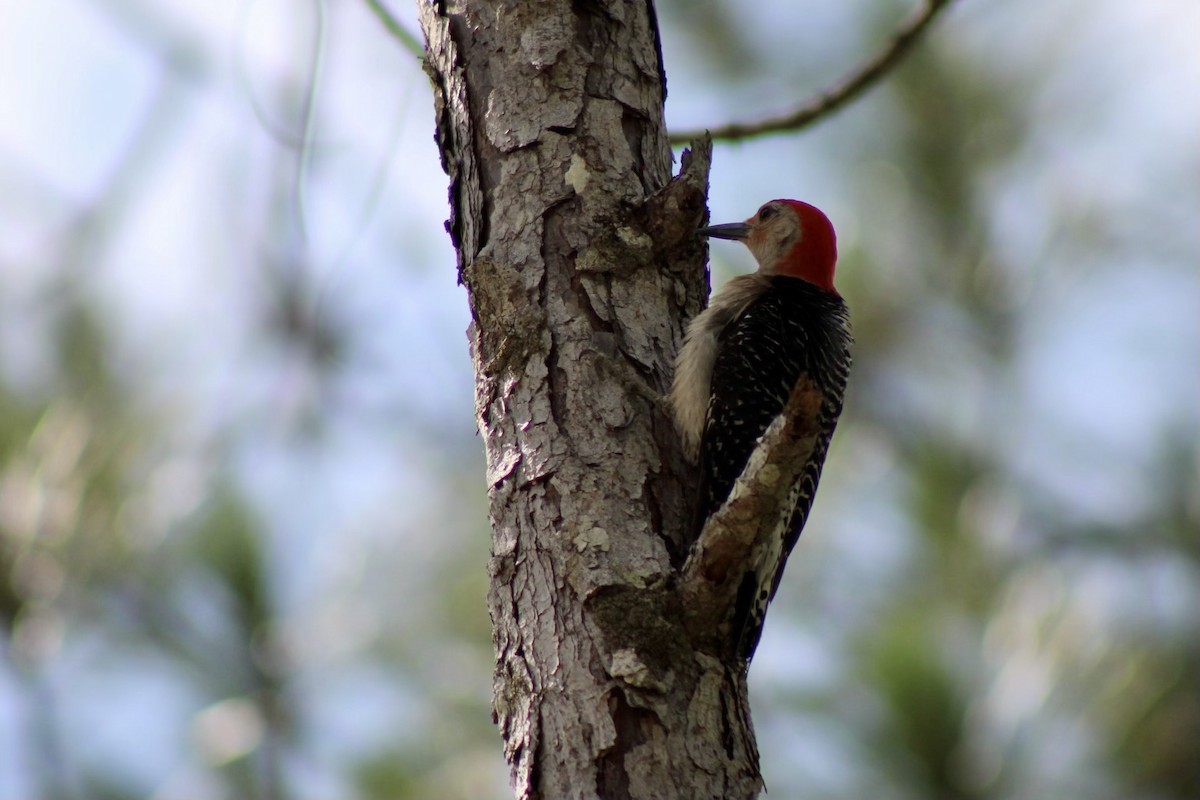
(765, 213)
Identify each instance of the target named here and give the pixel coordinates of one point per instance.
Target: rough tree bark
(579, 254)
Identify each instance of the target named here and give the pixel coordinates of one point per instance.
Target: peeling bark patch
(595, 304)
(509, 321)
(632, 127)
(558, 386)
(543, 88)
(633, 727)
(726, 728)
(626, 666)
(594, 538)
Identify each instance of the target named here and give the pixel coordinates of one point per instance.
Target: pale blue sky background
(1109, 352)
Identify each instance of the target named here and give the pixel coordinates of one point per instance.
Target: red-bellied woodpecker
(742, 357)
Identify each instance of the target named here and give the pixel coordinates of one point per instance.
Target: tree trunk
(580, 260)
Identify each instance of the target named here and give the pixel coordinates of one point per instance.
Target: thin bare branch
(411, 42)
(305, 156)
(841, 93)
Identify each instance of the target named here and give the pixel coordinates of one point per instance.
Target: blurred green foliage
(281, 594)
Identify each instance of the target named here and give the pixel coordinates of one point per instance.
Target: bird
(761, 335)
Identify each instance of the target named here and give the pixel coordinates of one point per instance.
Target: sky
(202, 100)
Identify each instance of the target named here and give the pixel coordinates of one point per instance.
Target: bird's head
(787, 237)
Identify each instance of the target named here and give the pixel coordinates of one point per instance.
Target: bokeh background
(242, 516)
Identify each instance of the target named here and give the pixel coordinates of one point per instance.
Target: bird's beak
(733, 230)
